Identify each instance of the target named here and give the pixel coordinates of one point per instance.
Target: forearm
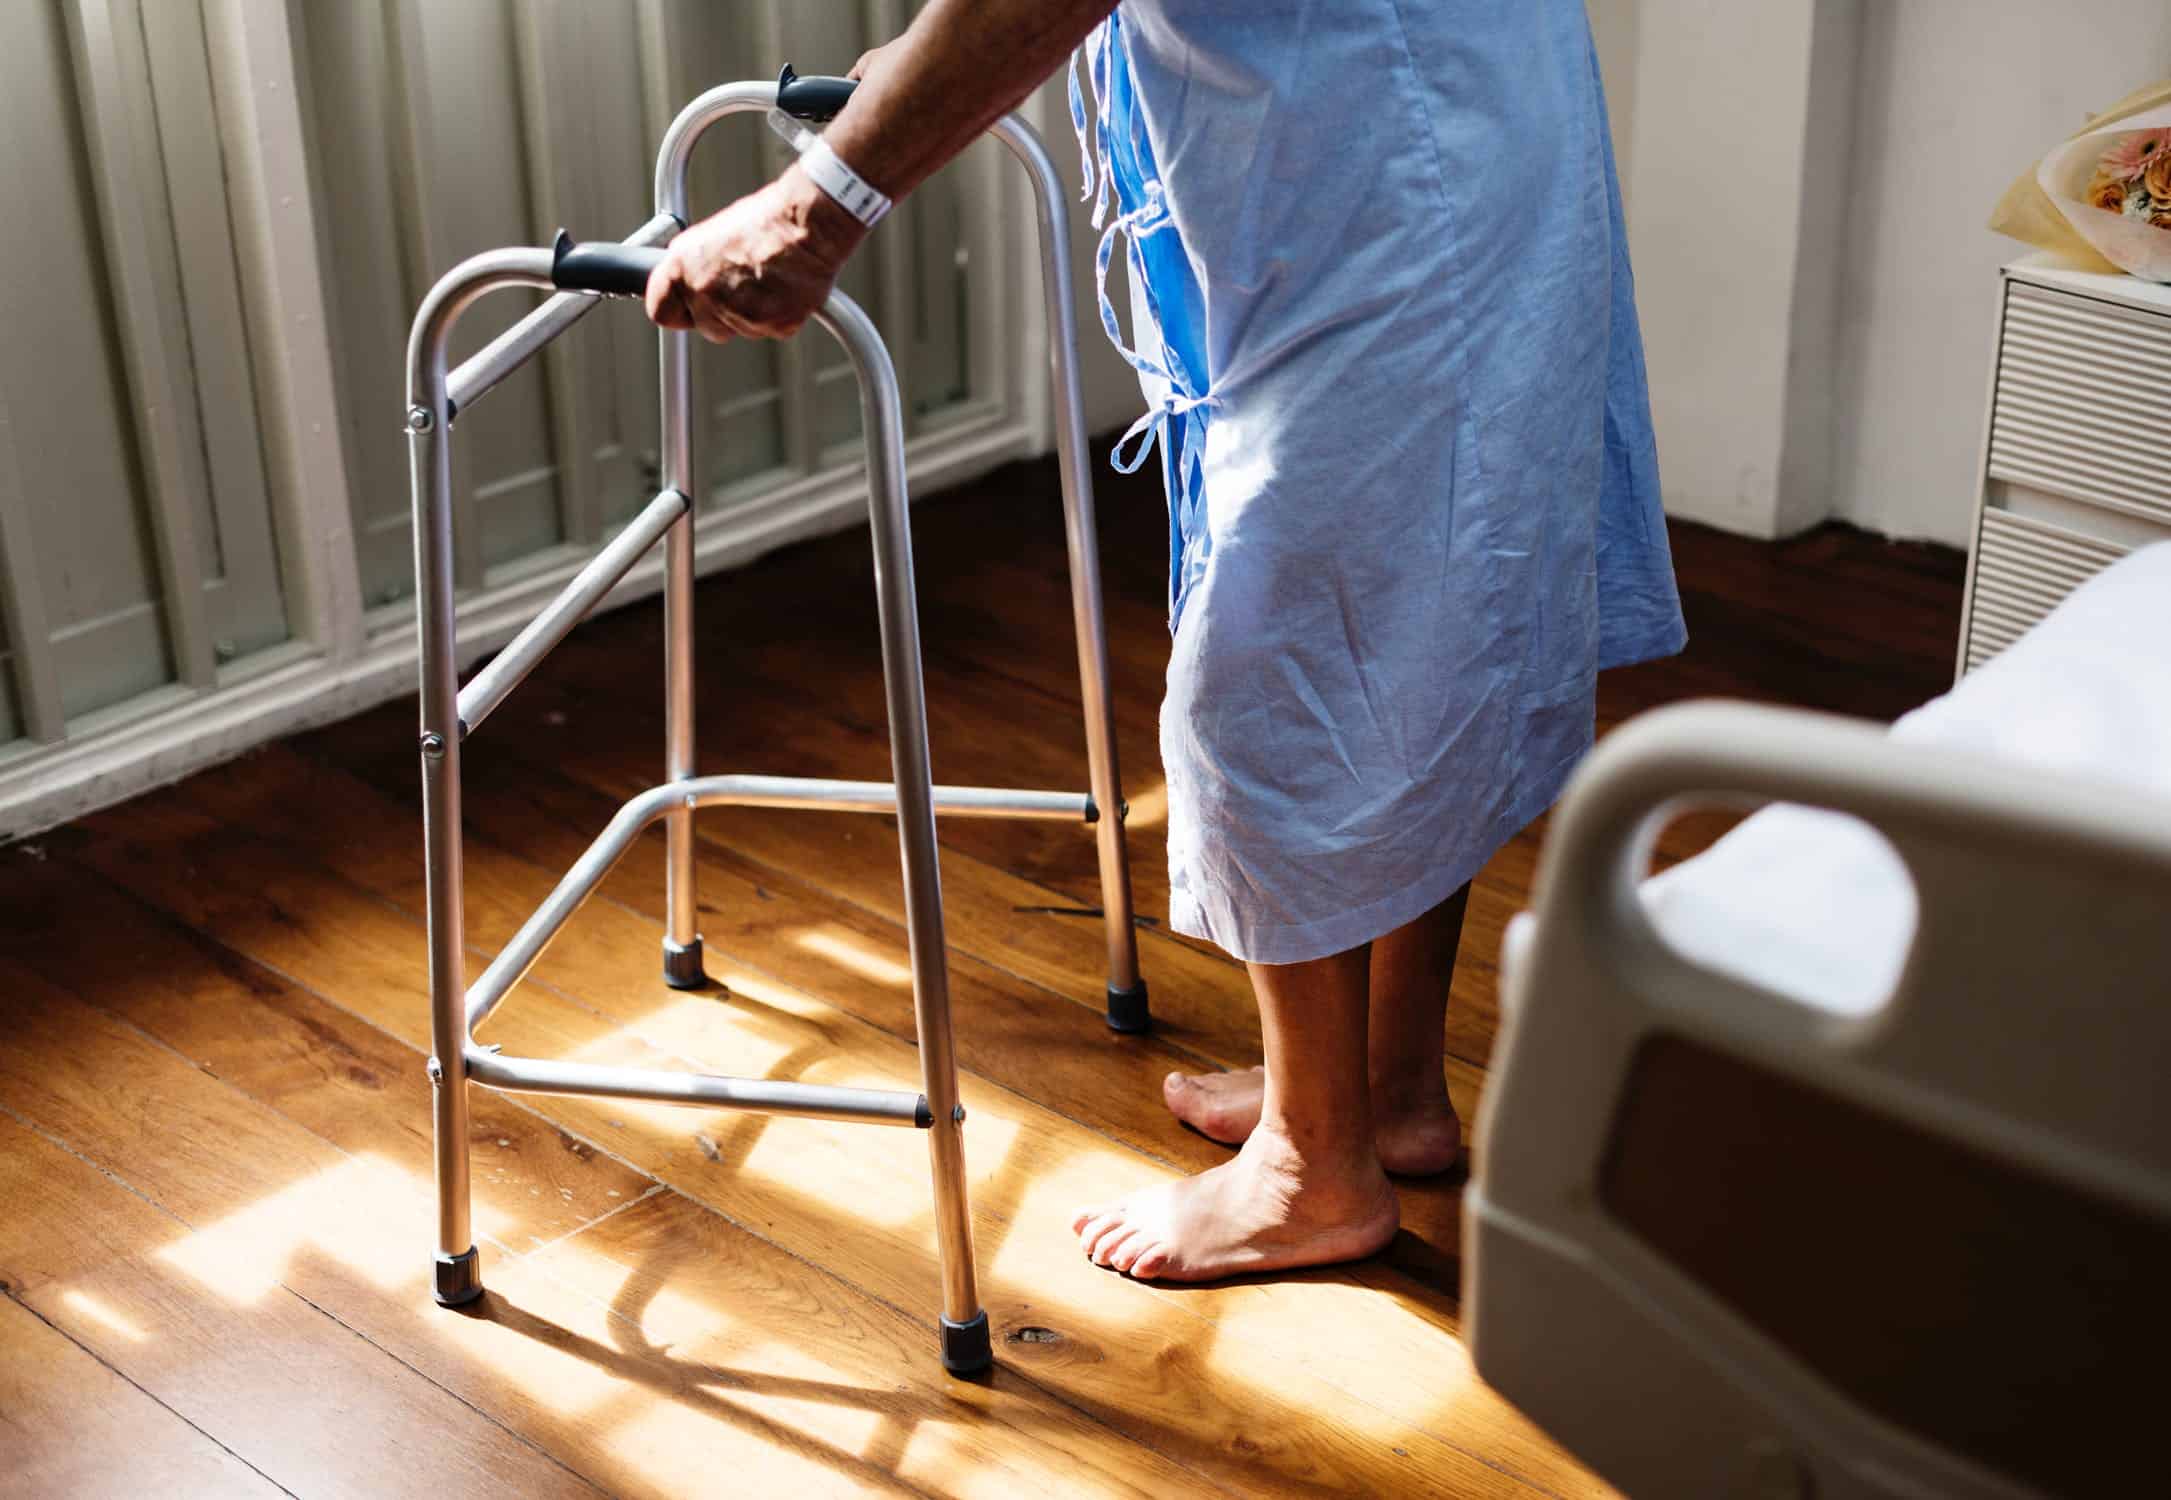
(961, 66)
(761, 266)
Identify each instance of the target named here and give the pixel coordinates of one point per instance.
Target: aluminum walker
(582, 275)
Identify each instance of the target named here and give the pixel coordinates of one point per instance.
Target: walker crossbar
(534, 1075)
(580, 275)
(541, 635)
(579, 882)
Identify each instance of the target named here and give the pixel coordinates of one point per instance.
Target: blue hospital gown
(1384, 321)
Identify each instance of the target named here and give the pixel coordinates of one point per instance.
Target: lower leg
(1407, 983)
(1306, 1189)
(1411, 972)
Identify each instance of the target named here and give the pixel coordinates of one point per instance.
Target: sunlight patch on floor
(862, 1175)
(700, 1402)
(522, 1344)
(847, 951)
(1053, 1194)
(105, 1317)
(758, 1029)
(689, 1453)
(366, 1214)
(708, 1033)
(1346, 1329)
(759, 1396)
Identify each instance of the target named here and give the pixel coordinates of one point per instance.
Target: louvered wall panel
(140, 554)
(2023, 567)
(2083, 405)
(442, 129)
(238, 203)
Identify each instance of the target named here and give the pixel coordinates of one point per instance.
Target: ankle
(1402, 1093)
(1313, 1159)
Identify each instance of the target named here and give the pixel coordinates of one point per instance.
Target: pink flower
(2131, 156)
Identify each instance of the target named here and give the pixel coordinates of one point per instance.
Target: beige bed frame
(1721, 1242)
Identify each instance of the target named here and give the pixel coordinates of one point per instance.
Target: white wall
(1953, 98)
(1732, 117)
(1928, 108)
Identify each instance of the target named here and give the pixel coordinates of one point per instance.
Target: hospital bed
(1836, 1161)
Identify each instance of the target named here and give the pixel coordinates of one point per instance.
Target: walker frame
(582, 276)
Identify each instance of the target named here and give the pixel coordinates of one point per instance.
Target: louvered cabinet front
(2078, 468)
(2022, 569)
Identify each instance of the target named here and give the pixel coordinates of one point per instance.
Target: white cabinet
(2077, 449)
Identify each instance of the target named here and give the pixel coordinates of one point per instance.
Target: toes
(1086, 1218)
(1113, 1236)
(1098, 1229)
(1109, 1252)
(1128, 1253)
(1150, 1261)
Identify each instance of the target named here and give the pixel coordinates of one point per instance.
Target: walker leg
(966, 1347)
(682, 968)
(457, 1273)
(1128, 1010)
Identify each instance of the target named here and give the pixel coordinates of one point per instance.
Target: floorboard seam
(299, 1296)
(877, 1299)
(615, 1315)
(654, 1187)
(132, 1383)
(483, 1412)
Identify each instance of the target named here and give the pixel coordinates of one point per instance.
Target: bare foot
(1264, 1211)
(1222, 1107)
(1417, 1140)
(1419, 1137)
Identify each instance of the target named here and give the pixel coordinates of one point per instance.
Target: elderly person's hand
(875, 60)
(759, 268)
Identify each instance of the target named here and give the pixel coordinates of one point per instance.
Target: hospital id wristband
(827, 171)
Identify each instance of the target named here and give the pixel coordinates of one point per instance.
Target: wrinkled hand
(757, 269)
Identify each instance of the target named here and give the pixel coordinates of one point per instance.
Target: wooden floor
(214, 1134)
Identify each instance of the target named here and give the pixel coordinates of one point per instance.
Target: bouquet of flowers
(2103, 198)
(2133, 178)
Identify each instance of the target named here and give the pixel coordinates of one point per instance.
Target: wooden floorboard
(338, 1231)
(201, 1247)
(214, 1084)
(856, 1198)
(70, 1424)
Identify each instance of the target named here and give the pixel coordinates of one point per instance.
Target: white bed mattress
(1817, 906)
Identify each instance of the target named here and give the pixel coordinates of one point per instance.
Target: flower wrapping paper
(2131, 243)
(2049, 208)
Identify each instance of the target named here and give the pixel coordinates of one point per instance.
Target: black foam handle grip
(608, 267)
(812, 98)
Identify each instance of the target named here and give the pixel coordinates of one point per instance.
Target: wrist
(829, 225)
